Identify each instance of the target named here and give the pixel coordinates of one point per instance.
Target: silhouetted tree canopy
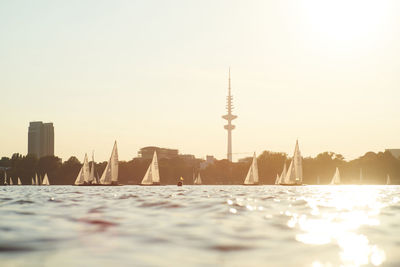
(374, 166)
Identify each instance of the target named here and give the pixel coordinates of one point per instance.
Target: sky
(156, 73)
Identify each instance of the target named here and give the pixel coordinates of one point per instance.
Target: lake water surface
(200, 226)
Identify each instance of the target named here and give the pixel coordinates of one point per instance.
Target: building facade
(41, 139)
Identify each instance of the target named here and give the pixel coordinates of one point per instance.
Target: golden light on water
(336, 218)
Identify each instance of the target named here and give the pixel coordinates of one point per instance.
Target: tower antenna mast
(229, 117)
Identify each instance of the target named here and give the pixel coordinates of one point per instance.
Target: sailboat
(388, 182)
(336, 178)
(46, 180)
(152, 176)
(197, 180)
(83, 175)
(252, 174)
(92, 178)
(5, 178)
(36, 179)
(11, 182)
(277, 179)
(19, 181)
(294, 175)
(33, 181)
(283, 175)
(110, 174)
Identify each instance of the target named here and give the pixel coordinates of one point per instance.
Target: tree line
(375, 167)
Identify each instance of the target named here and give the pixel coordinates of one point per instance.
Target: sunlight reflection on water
(354, 208)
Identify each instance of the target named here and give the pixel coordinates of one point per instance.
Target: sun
(345, 20)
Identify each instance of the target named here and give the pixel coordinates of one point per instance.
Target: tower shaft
(229, 117)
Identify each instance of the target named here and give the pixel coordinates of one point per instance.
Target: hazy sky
(156, 73)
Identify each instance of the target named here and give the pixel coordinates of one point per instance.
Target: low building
(394, 152)
(245, 160)
(162, 153)
(209, 160)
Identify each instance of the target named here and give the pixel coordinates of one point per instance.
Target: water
(200, 226)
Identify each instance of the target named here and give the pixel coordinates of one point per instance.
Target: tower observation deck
(229, 117)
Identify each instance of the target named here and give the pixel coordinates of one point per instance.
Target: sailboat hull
(98, 184)
(153, 184)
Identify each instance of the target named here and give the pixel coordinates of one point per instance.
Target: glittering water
(200, 226)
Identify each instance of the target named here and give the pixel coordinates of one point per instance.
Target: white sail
(252, 174)
(19, 181)
(92, 179)
(283, 174)
(294, 174)
(388, 182)
(86, 170)
(11, 182)
(36, 179)
(277, 179)
(152, 175)
(5, 178)
(33, 181)
(290, 175)
(298, 164)
(197, 181)
(336, 177)
(46, 180)
(110, 173)
(83, 175)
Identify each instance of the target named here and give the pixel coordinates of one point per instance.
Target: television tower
(229, 117)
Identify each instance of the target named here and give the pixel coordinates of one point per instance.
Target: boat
(388, 182)
(11, 182)
(180, 182)
(5, 178)
(197, 180)
(152, 176)
(46, 180)
(110, 173)
(19, 181)
(33, 181)
(36, 179)
(83, 175)
(336, 178)
(294, 175)
(252, 174)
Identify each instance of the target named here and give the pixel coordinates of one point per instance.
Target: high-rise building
(41, 139)
(229, 117)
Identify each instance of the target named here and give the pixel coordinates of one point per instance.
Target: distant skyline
(156, 73)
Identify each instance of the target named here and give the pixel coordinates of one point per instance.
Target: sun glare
(345, 20)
